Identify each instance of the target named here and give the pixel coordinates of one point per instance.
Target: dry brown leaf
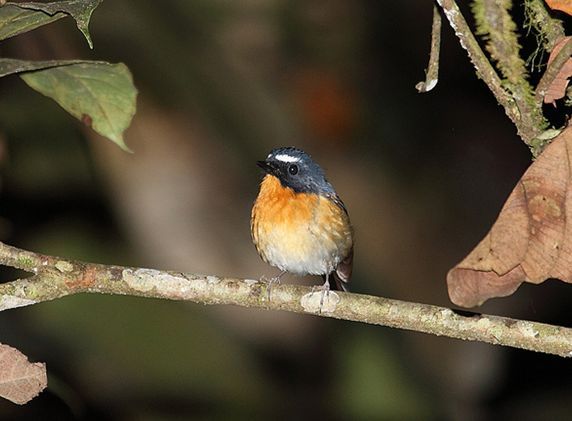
(531, 240)
(562, 5)
(20, 380)
(557, 88)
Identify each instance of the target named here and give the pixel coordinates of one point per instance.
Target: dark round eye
(293, 169)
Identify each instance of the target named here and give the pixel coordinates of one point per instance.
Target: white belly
(301, 252)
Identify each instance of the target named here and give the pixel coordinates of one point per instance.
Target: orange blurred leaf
(20, 380)
(531, 240)
(562, 5)
(326, 103)
(557, 88)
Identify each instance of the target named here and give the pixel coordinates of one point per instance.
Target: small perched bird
(299, 224)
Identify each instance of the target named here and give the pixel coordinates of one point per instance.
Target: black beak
(265, 165)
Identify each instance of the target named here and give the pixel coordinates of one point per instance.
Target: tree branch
(495, 24)
(517, 109)
(484, 69)
(54, 278)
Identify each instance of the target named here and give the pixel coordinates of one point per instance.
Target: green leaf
(15, 21)
(101, 95)
(9, 66)
(80, 10)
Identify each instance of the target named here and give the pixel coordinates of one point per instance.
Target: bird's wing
(336, 199)
(340, 277)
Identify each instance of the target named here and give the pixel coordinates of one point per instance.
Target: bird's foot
(270, 282)
(325, 291)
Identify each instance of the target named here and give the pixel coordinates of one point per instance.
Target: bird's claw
(269, 283)
(325, 292)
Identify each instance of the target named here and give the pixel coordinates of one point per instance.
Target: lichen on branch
(548, 30)
(496, 26)
(513, 92)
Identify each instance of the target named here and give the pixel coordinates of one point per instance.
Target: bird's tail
(336, 283)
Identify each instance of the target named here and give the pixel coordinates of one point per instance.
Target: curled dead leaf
(557, 88)
(531, 240)
(562, 5)
(20, 380)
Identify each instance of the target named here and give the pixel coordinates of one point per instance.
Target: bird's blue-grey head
(297, 170)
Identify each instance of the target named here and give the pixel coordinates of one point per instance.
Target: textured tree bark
(54, 277)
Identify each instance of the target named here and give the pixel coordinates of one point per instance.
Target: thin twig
(432, 72)
(55, 277)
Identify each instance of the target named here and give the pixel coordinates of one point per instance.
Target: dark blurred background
(220, 84)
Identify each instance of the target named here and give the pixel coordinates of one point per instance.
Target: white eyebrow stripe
(286, 158)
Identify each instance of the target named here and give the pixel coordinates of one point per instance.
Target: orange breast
(299, 232)
(278, 205)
